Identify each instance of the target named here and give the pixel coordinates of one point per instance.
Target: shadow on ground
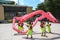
(54, 38)
(16, 34)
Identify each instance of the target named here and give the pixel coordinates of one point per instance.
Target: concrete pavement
(7, 33)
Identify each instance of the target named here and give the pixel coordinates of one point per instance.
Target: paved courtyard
(7, 33)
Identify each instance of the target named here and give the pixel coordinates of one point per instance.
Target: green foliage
(9, 21)
(40, 6)
(50, 5)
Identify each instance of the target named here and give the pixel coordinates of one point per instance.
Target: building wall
(1, 12)
(7, 13)
(29, 9)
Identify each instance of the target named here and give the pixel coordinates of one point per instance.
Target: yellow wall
(1, 13)
(29, 9)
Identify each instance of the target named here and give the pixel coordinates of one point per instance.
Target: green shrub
(9, 21)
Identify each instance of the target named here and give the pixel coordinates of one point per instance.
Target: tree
(40, 6)
(51, 5)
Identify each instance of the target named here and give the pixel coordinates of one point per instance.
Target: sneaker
(41, 35)
(50, 32)
(27, 38)
(31, 37)
(44, 35)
